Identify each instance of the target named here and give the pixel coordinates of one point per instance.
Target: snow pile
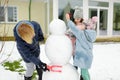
(106, 62)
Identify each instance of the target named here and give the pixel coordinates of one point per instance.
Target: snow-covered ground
(106, 62)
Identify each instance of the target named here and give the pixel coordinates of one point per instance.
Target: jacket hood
(25, 22)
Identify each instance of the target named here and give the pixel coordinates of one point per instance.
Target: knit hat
(78, 12)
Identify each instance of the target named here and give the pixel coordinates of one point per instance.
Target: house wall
(37, 14)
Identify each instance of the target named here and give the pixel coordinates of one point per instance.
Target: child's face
(77, 20)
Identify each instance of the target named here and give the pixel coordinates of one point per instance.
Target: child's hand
(94, 19)
(91, 23)
(67, 16)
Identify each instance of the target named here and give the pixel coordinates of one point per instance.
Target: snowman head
(58, 47)
(57, 27)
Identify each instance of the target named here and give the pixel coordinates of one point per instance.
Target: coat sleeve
(90, 35)
(74, 29)
(40, 34)
(38, 31)
(28, 54)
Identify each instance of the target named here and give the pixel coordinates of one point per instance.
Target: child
(27, 35)
(72, 38)
(84, 43)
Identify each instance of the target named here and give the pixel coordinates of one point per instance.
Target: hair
(25, 31)
(81, 20)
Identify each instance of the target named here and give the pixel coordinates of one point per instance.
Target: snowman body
(58, 49)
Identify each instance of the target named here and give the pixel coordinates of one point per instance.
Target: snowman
(58, 49)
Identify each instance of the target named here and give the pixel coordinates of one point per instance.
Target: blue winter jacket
(29, 52)
(84, 44)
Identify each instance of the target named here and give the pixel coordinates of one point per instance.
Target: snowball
(58, 49)
(57, 27)
(68, 73)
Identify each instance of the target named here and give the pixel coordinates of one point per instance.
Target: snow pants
(30, 67)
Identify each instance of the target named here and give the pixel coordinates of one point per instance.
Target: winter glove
(43, 66)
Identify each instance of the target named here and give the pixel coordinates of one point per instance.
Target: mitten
(43, 66)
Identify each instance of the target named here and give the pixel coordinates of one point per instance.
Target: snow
(106, 62)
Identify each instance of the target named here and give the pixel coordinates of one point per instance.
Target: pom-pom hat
(78, 12)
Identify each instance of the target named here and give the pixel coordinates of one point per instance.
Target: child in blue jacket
(84, 43)
(27, 35)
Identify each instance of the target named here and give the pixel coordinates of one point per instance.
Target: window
(97, 3)
(2, 15)
(67, 6)
(8, 14)
(116, 19)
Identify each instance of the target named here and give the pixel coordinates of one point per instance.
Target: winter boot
(40, 72)
(27, 78)
(81, 78)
